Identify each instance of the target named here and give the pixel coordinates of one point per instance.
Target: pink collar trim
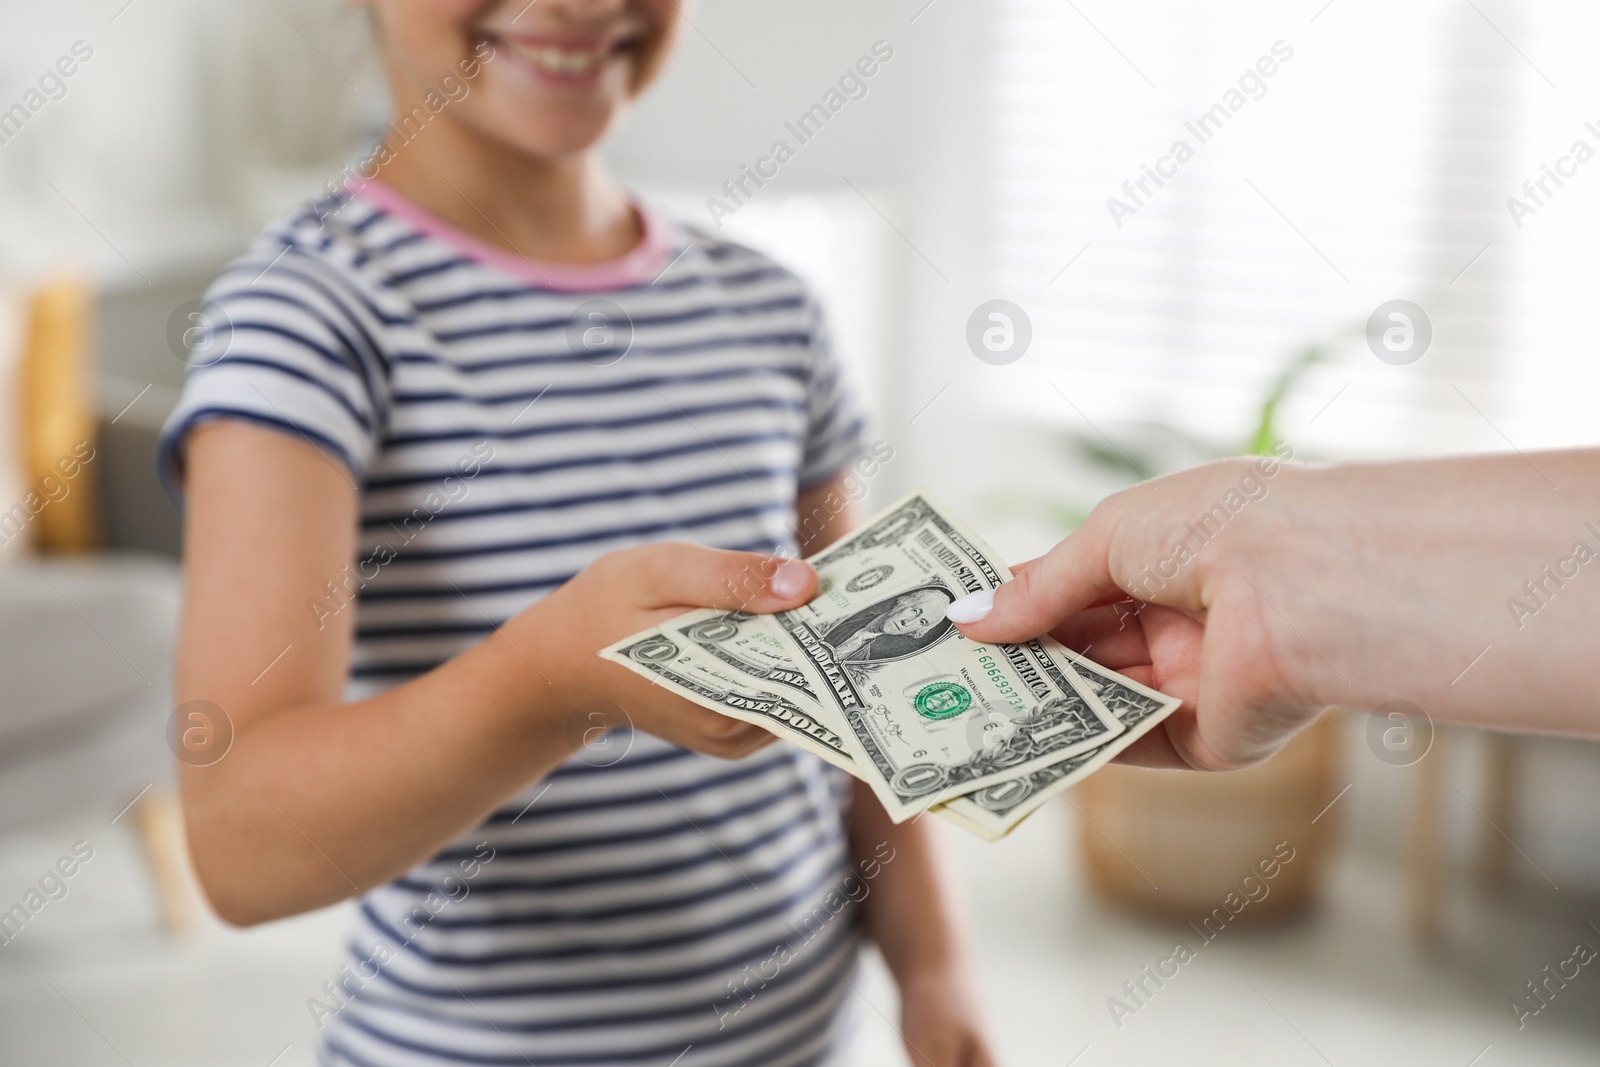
(639, 266)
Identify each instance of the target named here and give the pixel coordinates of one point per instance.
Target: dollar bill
(927, 713)
(995, 811)
(955, 813)
(727, 654)
(737, 641)
(668, 662)
(658, 657)
(990, 813)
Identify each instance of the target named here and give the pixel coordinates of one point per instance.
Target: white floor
(93, 980)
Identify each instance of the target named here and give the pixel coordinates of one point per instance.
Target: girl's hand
(941, 1024)
(631, 590)
(319, 797)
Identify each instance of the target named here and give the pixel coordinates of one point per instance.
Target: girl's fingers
(685, 575)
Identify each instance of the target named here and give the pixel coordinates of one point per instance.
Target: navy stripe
(351, 305)
(559, 917)
(373, 217)
(660, 1053)
(357, 364)
(254, 267)
(404, 241)
(633, 980)
(727, 853)
(290, 371)
(653, 531)
(458, 514)
(603, 946)
(739, 280)
(813, 956)
(598, 842)
(454, 590)
(429, 630)
(638, 322)
(576, 769)
(429, 270)
(634, 385)
(546, 810)
(567, 358)
(345, 360)
(820, 427)
(675, 414)
(715, 249)
(495, 469)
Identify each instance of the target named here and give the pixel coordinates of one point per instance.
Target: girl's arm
(319, 799)
(913, 914)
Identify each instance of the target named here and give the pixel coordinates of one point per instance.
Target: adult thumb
(1072, 576)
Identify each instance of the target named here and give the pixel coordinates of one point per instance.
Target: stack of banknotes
(873, 678)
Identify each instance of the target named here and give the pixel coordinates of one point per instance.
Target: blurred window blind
(1374, 162)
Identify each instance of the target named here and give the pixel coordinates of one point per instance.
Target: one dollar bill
(927, 713)
(733, 685)
(997, 810)
(667, 660)
(658, 656)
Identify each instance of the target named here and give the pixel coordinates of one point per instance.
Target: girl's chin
(552, 137)
(534, 102)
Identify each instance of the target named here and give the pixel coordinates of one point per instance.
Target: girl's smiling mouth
(567, 58)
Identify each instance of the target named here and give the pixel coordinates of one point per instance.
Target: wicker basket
(1176, 844)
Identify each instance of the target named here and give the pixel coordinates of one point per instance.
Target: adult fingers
(1111, 636)
(1155, 749)
(1069, 578)
(1113, 595)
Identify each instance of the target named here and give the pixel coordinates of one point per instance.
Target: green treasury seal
(942, 700)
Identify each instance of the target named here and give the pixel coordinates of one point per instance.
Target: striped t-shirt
(507, 422)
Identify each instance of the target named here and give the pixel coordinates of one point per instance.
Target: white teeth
(567, 62)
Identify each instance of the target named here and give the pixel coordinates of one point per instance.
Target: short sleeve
(281, 343)
(836, 427)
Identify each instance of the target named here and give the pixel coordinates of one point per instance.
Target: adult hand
(1262, 592)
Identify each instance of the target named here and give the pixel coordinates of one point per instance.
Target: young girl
(469, 412)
